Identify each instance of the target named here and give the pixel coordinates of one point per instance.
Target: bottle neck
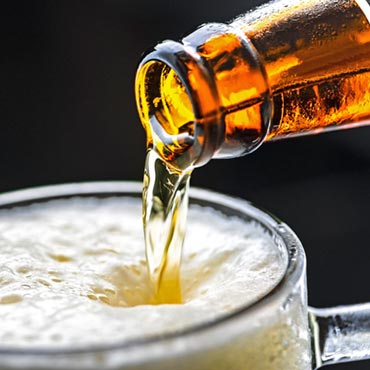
(205, 97)
(316, 57)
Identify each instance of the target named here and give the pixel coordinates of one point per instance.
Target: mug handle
(340, 334)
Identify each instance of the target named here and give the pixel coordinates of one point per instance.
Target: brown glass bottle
(285, 69)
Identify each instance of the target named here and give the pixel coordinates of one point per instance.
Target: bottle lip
(209, 127)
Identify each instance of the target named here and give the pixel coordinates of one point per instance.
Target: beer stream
(165, 205)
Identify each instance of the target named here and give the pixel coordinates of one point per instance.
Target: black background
(67, 113)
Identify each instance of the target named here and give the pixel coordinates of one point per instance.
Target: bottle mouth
(178, 106)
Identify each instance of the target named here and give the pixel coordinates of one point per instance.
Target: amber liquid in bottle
(318, 69)
(314, 76)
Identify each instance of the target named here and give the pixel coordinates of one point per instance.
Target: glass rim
(106, 189)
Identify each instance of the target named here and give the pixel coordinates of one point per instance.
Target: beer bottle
(287, 68)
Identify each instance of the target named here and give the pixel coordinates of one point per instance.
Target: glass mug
(277, 332)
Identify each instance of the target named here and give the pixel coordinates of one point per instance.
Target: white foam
(73, 269)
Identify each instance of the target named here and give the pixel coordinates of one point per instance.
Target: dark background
(68, 114)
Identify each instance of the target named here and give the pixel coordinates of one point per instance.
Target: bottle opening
(166, 109)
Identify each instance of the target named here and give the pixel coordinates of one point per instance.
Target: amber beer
(285, 69)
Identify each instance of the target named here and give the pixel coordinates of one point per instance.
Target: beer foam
(74, 272)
